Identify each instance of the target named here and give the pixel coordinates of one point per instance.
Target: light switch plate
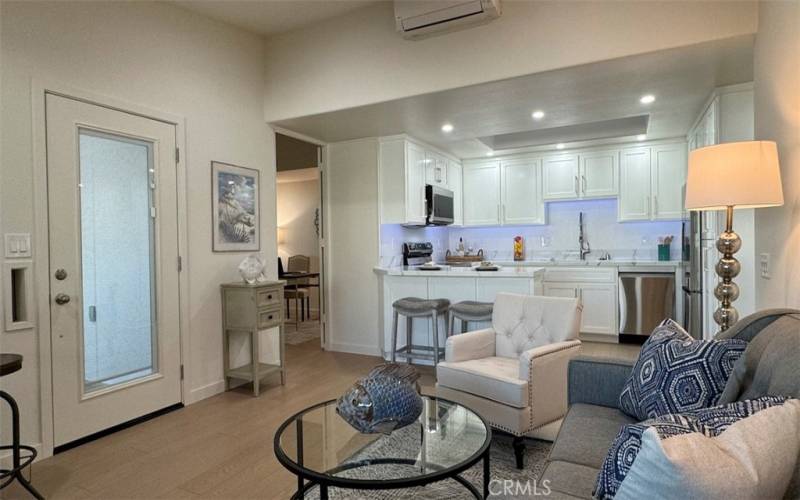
(765, 272)
(18, 245)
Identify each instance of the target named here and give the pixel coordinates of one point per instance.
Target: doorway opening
(299, 226)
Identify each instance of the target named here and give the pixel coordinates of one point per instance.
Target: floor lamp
(724, 177)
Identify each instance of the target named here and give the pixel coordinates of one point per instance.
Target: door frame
(41, 247)
(322, 164)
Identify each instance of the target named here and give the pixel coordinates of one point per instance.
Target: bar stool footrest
(24, 461)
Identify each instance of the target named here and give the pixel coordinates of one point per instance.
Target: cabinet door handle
(655, 204)
(577, 189)
(583, 179)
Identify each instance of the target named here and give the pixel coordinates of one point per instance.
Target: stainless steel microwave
(439, 206)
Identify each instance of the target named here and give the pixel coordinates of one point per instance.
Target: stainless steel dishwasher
(645, 300)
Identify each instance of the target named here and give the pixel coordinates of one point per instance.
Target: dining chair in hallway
(300, 264)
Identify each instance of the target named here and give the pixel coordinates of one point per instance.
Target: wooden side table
(251, 309)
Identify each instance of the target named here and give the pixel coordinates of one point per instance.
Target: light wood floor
(219, 448)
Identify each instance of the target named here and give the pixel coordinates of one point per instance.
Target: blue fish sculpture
(386, 399)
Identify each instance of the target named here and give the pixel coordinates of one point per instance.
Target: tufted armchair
(514, 374)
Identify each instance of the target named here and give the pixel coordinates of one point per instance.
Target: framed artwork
(235, 208)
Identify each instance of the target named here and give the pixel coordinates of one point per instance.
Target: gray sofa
(770, 366)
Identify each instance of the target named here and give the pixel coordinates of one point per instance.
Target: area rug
(309, 330)
(502, 467)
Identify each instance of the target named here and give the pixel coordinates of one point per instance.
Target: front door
(114, 303)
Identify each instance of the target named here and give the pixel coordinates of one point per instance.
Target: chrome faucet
(582, 241)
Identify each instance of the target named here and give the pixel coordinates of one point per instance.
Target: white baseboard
(205, 391)
(6, 459)
(369, 350)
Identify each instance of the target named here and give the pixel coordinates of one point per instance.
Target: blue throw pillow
(676, 373)
(708, 421)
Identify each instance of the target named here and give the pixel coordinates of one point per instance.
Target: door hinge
(181, 372)
(180, 263)
(153, 212)
(177, 155)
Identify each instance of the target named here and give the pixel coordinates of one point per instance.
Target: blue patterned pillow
(626, 446)
(718, 418)
(676, 373)
(708, 421)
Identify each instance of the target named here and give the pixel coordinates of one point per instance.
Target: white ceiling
(272, 17)
(681, 79)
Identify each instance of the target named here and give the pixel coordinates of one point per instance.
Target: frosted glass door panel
(117, 256)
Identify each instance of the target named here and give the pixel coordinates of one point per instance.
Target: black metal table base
(305, 487)
(8, 476)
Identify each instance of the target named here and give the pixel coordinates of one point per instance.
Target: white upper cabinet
(415, 183)
(454, 180)
(435, 169)
(651, 182)
(521, 195)
(668, 177)
(561, 177)
(581, 176)
(598, 174)
(634, 184)
(405, 168)
(481, 188)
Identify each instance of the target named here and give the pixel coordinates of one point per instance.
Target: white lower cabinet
(599, 308)
(597, 291)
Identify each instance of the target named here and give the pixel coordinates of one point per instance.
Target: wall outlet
(765, 266)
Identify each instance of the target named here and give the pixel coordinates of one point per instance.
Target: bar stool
(10, 363)
(469, 310)
(414, 307)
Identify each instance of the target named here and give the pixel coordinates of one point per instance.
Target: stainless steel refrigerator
(699, 255)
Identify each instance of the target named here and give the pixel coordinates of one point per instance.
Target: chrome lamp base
(727, 268)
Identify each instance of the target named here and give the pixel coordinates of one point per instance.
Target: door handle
(61, 299)
(583, 179)
(577, 188)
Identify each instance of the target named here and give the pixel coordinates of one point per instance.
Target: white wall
(362, 59)
(164, 58)
(777, 118)
(297, 203)
(352, 234)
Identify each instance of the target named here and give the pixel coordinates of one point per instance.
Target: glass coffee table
(324, 451)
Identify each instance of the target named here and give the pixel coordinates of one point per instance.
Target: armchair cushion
(471, 345)
(523, 322)
(493, 377)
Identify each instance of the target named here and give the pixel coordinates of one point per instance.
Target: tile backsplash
(558, 238)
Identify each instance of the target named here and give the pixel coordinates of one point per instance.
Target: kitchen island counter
(463, 272)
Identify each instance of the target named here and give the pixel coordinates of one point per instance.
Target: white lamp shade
(737, 174)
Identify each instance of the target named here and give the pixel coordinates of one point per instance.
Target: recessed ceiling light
(447, 128)
(647, 99)
(538, 114)
(641, 137)
(560, 146)
(490, 153)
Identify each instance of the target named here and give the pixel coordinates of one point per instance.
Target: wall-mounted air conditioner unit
(423, 18)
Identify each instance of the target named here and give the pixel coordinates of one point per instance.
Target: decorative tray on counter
(450, 258)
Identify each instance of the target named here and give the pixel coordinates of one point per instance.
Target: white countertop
(531, 268)
(447, 271)
(593, 263)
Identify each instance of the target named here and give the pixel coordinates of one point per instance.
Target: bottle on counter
(519, 248)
